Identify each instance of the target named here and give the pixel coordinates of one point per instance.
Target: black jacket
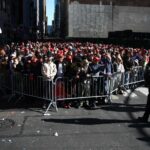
(147, 75)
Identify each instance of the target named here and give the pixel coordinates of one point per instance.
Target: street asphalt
(109, 127)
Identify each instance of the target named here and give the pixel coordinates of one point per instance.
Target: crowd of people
(70, 59)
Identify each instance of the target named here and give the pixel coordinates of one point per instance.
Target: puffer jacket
(49, 71)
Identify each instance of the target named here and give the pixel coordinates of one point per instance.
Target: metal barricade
(127, 80)
(132, 78)
(115, 81)
(81, 89)
(2, 83)
(5, 82)
(33, 86)
(69, 89)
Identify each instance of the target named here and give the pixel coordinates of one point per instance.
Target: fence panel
(92, 87)
(33, 86)
(70, 89)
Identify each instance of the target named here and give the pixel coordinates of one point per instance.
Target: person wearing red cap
(71, 73)
(94, 70)
(69, 58)
(146, 114)
(96, 59)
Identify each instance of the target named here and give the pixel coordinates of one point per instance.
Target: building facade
(10, 17)
(23, 19)
(60, 25)
(96, 18)
(5, 11)
(57, 18)
(42, 17)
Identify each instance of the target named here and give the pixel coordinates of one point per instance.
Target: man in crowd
(94, 70)
(146, 114)
(48, 71)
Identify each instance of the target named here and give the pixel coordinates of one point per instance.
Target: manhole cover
(6, 123)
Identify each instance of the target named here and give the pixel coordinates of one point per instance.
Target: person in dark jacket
(60, 80)
(61, 66)
(146, 114)
(94, 70)
(128, 64)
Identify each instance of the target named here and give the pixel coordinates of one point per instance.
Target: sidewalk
(111, 127)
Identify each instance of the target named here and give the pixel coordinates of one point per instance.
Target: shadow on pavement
(87, 121)
(144, 139)
(25, 102)
(124, 108)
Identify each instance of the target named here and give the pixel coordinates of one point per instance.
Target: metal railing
(69, 89)
(32, 86)
(87, 88)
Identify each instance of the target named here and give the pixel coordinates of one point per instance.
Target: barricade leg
(20, 97)
(51, 98)
(49, 106)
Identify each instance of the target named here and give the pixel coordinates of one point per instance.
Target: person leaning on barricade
(80, 82)
(107, 72)
(146, 114)
(70, 79)
(128, 64)
(121, 71)
(94, 70)
(60, 79)
(61, 66)
(84, 90)
(35, 73)
(48, 71)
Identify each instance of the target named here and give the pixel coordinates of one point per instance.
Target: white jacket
(49, 71)
(121, 68)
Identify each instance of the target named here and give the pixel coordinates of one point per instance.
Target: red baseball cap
(96, 59)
